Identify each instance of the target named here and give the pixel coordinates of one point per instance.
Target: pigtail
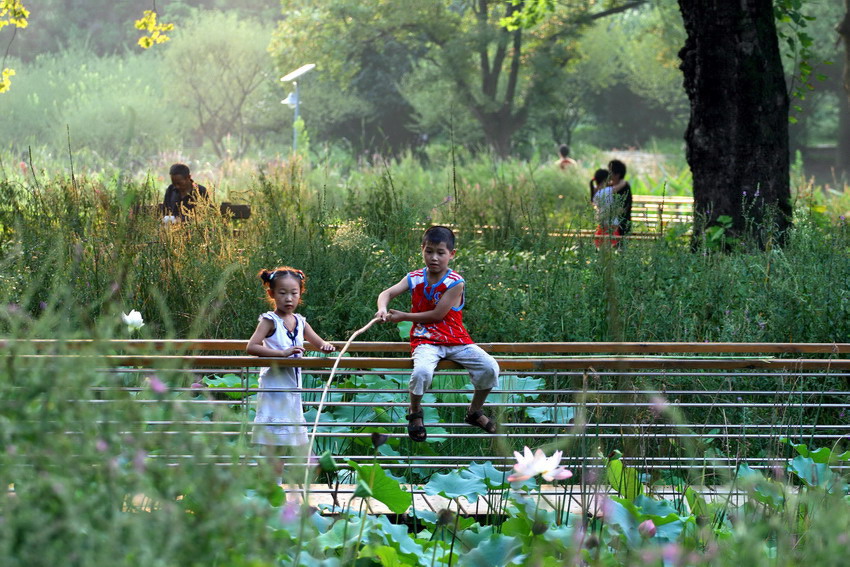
(265, 276)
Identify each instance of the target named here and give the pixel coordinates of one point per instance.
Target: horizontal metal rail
(511, 364)
(591, 388)
(358, 346)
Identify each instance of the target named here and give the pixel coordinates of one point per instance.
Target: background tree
(737, 137)
(497, 74)
(843, 146)
(218, 63)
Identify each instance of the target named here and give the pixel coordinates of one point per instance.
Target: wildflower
(671, 552)
(42, 305)
(647, 529)
(101, 446)
(133, 320)
(289, 512)
(157, 385)
(659, 405)
(197, 385)
(139, 461)
(531, 464)
(601, 506)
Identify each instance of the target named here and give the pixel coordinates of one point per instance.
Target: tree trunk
(842, 157)
(737, 137)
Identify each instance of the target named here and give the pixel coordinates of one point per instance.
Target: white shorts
(483, 368)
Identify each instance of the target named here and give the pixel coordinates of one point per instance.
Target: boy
(438, 331)
(565, 161)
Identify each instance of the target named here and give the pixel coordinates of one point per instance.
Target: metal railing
(674, 409)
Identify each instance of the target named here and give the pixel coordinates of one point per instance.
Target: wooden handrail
(229, 345)
(511, 364)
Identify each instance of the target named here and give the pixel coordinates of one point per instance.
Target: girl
(282, 333)
(600, 176)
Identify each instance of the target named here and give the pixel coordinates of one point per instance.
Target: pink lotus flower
(531, 464)
(647, 529)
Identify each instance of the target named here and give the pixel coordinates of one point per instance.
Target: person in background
(617, 179)
(566, 161)
(182, 195)
(600, 176)
(607, 199)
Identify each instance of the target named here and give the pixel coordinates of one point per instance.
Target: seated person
(182, 195)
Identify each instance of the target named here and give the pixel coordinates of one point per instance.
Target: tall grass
(90, 488)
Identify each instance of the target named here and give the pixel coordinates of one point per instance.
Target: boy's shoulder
(451, 278)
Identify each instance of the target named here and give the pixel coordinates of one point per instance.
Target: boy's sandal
(417, 433)
(472, 419)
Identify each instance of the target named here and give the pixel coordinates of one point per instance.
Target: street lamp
(293, 99)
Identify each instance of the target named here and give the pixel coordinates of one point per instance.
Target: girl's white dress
(281, 407)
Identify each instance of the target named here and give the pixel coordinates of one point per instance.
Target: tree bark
(842, 157)
(737, 137)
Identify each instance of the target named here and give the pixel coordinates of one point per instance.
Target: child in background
(597, 183)
(438, 331)
(282, 333)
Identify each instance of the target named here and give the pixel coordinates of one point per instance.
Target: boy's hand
(327, 347)
(394, 316)
(381, 314)
(292, 350)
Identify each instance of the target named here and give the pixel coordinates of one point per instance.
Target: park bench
(593, 397)
(227, 209)
(653, 213)
(651, 216)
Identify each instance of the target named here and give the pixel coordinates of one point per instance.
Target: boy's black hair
(617, 168)
(564, 150)
(438, 234)
(179, 169)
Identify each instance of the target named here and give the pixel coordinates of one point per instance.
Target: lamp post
(293, 99)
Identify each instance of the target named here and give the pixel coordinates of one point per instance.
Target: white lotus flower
(168, 219)
(133, 320)
(531, 464)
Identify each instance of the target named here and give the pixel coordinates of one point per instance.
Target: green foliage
(220, 63)
(111, 106)
(382, 487)
(624, 480)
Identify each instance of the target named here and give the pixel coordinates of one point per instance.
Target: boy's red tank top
(449, 331)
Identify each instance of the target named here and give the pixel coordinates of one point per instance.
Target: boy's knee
(487, 377)
(420, 380)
